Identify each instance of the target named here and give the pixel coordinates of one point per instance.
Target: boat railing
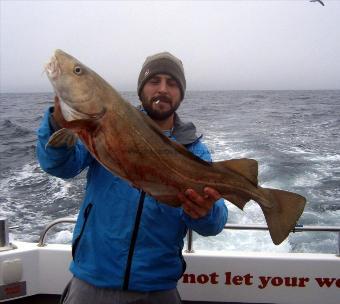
(62, 220)
(189, 243)
(297, 228)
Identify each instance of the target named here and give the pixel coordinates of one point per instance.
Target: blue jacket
(109, 248)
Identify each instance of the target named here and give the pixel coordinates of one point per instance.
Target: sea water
(294, 135)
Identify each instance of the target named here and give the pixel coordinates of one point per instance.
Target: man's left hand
(196, 205)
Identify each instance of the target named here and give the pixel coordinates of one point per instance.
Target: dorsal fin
(246, 167)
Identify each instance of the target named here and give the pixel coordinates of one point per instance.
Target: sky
(224, 45)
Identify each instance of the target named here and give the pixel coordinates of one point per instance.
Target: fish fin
(238, 200)
(178, 147)
(284, 213)
(61, 138)
(246, 167)
(90, 124)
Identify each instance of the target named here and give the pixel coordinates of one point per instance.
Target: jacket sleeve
(214, 221)
(62, 161)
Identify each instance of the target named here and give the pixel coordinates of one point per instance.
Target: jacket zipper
(77, 240)
(133, 241)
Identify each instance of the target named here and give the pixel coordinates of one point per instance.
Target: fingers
(196, 205)
(193, 196)
(193, 209)
(212, 193)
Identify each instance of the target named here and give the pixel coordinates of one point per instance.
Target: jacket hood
(184, 132)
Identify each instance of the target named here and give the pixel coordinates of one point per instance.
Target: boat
(38, 272)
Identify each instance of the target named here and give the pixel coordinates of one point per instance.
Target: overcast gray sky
(225, 45)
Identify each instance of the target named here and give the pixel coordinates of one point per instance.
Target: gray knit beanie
(162, 63)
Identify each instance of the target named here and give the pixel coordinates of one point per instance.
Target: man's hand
(197, 206)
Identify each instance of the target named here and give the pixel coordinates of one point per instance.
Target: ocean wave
(34, 199)
(10, 129)
(293, 135)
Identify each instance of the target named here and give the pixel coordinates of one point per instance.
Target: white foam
(299, 150)
(26, 189)
(308, 179)
(242, 240)
(325, 158)
(62, 237)
(222, 149)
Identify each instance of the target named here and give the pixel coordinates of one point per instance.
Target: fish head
(82, 92)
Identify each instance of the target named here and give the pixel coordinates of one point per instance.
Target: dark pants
(80, 292)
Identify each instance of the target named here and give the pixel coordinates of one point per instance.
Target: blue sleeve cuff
(210, 224)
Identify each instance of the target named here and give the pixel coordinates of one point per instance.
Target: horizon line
(196, 90)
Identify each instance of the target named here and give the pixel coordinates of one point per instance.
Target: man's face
(161, 96)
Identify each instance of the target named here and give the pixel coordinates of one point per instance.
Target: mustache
(163, 98)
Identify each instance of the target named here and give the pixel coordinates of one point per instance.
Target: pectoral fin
(63, 137)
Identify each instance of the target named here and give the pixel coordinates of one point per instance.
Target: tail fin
(283, 215)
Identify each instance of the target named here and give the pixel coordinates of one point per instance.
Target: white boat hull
(212, 277)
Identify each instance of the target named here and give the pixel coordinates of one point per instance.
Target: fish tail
(284, 213)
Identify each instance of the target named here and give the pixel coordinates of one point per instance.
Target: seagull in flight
(317, 1)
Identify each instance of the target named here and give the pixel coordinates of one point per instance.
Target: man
(127, 247)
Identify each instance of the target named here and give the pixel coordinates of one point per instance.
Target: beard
(156, 113)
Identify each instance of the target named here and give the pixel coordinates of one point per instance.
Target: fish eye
(77, 70)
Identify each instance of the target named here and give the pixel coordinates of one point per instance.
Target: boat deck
(54, 299)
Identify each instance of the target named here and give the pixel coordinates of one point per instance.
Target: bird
(317, 1)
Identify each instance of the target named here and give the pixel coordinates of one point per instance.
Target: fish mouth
(70, 113)
(52, 68)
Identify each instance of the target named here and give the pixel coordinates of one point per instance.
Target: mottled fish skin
(129, 144)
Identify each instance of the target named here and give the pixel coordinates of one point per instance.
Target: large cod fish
(129, 144)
